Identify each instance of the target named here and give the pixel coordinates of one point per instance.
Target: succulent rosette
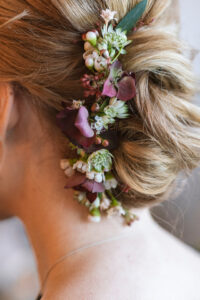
(90, 172)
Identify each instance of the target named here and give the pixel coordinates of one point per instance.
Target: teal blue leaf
(131, 19)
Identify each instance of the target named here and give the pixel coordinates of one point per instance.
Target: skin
(146, 264)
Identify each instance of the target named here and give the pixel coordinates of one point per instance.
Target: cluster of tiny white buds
(105, 203)
(94, 60)
(94, 219)
(66, 166)
(80, 166)
(95, 204)
(98, 177)
(110, 184)
(116, 210)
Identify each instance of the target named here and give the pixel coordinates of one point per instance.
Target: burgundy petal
(91, 196)
(126, 88)
(82, 123)
(66, 121)
(75, 180)
(93, 186)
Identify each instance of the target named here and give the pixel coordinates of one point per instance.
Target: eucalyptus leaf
(131, 19)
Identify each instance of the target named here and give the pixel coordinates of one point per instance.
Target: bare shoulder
(153, 266)
(172, 269)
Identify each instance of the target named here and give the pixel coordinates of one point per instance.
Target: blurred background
(180, 215)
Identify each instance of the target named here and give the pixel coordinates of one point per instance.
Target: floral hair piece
(90, 172)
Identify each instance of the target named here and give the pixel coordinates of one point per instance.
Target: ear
(7, 115)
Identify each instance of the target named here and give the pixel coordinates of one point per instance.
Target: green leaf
(100, 195)
(131, 19)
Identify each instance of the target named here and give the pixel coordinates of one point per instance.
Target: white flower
(91, 54)
(100, 64)
(80, 196)
(108, 15)
(98, 125)
(116, 210)
(95, 204)
(113, 40)
(92, 58)
(100, 161)
(90, 175)
(102, 46)
(95, 219)
(64, 164)
(69, 172)
(98, 177)
(102, 122)
(105, 203)
(80, 166)
(116, 109)
(87, 203)
(110, 184)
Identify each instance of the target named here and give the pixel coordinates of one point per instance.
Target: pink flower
(82, 123)
(119, 84)
(108, 15)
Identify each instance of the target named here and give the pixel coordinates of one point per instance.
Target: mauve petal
(115, 72)
(75, 180)
(109, 89)
(82, 123)
(126, 88)
(93, 186)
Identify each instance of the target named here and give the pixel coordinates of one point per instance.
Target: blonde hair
(41, 51)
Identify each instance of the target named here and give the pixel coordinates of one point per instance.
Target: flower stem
(116, 57)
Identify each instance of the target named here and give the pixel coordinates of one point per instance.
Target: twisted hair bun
(41, 50)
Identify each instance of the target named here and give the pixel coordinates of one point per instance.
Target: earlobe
(6, 105)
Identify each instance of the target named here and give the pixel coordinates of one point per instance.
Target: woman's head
(41, 57)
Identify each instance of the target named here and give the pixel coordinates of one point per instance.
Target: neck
(56, 224)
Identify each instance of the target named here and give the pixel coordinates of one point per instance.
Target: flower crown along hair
(90, 172)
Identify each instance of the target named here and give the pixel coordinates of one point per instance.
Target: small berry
(96, 32)
(98, 140)
(88, 46)
(105, 143)
(89, 63)
(92, 38)
(95, 107)
(84, 37)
